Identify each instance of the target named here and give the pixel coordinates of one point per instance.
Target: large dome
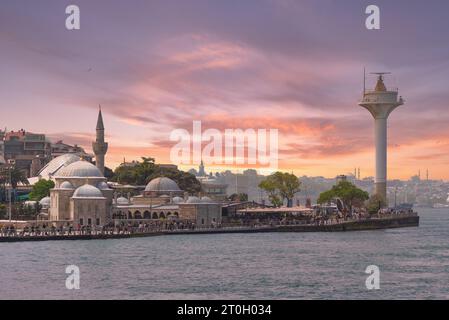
(88, 191)
(162, 184)
(58, 163)
(82, 169)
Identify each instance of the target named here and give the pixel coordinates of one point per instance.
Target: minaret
(201, 171)
(380, 102)
(99, 146)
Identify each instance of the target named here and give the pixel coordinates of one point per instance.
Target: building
(60, 148)
(162, 199)
(30, 151)
(81, 195)
(2, 147)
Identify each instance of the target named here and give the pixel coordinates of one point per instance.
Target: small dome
(45, 202)
(87, 191)
(81, 169)
(122, 201)
(178, 200)
(162, 184)
(66, 185)
(193, 199)
(102, 185)
(206, 200)
(30, 203)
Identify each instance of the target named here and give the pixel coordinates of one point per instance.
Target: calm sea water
(414, 264)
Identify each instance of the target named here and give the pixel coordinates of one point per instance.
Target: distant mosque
(82, 196)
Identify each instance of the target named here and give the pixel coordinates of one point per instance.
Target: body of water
(413, 263)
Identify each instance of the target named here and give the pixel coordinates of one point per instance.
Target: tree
(375, 203)
(15, 174)
(41, 189)
(146, 170)
(242, 197)
(136, 174)
(281, 186)
(347, 192)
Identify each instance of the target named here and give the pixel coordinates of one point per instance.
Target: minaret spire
(100, 147)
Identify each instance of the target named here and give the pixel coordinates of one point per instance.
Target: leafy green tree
(280, 186)
(41, 189)
(144, 171)
(347, 192)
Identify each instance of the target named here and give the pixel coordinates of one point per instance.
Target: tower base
(381, 190)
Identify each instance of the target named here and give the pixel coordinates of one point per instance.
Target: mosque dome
(66, 185)
(102, 185)
(193, 199)
(178, 200)
(45, 202)
(88, 191)
(58, 163)
(81, 169)
(206, 199)
(122, 201)
(162, 184)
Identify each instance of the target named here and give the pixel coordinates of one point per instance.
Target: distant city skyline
(155, 66)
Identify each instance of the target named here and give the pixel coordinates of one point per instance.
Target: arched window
(130, 215)
(146, 215)
(155, 215)
(161, 215)
(168, 214)
(137, 215)
(176, 214)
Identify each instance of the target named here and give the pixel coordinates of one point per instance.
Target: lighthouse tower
(99, 146)
(380, 102)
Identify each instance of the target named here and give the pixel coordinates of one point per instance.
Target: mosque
(82, 196)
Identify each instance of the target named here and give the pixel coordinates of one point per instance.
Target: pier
(386, 222)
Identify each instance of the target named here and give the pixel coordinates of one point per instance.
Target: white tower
(380, 102)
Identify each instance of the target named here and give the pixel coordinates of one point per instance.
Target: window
(98, 221)
(202, 221)
(81, 221)
(89, 221)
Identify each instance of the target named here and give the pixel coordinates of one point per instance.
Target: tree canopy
(347, 192)
(144, 171)
(280, 186)
(41, 189)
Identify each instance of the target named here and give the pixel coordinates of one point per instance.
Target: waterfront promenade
(384, 222)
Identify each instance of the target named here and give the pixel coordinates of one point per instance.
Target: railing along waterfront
(129, 231)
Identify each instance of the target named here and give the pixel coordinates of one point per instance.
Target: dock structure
(387, 222)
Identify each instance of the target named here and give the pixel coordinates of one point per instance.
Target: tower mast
(380, 102)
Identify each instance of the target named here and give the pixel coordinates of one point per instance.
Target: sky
(295, 66)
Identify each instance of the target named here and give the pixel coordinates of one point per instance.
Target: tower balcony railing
(374, 91)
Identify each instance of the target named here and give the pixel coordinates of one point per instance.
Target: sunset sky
(297, 66)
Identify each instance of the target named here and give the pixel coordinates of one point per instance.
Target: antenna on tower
(380, 74)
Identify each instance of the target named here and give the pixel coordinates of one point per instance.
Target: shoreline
(357, 225)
